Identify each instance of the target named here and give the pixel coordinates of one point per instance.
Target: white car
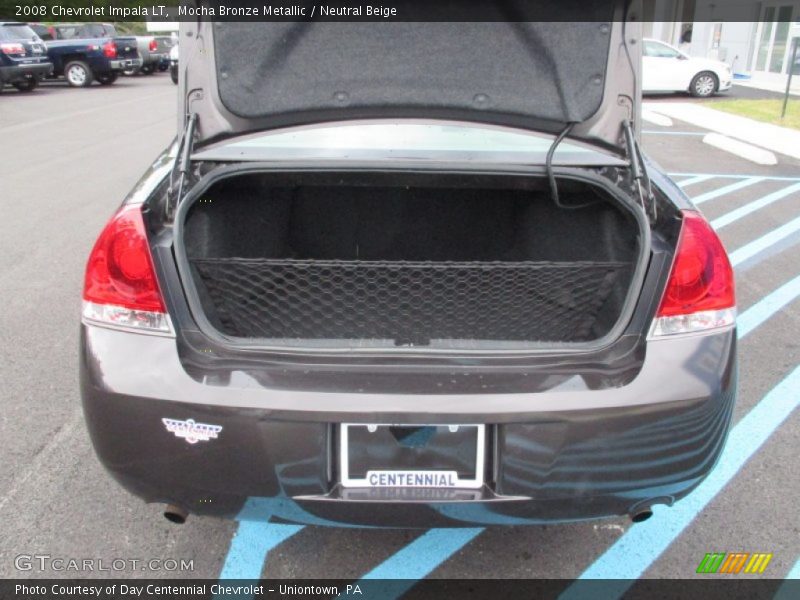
(173, 63)
(667, 69)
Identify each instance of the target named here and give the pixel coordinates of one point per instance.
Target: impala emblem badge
(191, 431)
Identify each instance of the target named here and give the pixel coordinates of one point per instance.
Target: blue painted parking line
(419, 558)
(794, 572)
(771, 304)
(736, 176)
(249, 548)
(790, 590)
(726, 189)
(753, 206)
(693, 180)
(654, 132)
(256, 536)
(774, 250)
(250, 545)
(757, 246)
(630, 556)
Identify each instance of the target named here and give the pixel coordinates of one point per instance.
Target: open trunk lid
(242, 77)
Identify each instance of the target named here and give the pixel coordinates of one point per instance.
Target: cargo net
(407, 303)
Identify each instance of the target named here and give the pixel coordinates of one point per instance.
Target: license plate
(412, 456)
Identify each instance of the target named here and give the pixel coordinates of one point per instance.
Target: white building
(755, 38)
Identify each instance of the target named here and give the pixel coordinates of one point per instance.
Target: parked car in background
(355, 293)
(82, 60)
(667, 69)
(152, 55)
(23, 59)
(164, 46)
(173, 63)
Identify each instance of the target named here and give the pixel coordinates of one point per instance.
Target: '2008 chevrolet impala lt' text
(428, 278)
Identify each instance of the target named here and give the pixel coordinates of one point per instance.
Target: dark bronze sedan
(409, 274)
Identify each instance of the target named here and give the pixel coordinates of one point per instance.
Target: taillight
(120, 286)
(110, 49)
(700, 291)
(153, 46)
(12, 48)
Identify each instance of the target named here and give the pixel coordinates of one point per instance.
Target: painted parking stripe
(256, 536)
(656, 118)
(755, 154)
(794, 572)
(762, 310)
(642, 544)
(250, 545)
(751, 207)
(775, 249)
(653, 132)
(693, 180)
(736, 176)
(419, 558)
(790, 589)
(726, 189)
(757, 246)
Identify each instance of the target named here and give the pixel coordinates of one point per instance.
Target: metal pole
(791, 72)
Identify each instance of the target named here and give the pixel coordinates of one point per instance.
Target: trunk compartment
(408, 260)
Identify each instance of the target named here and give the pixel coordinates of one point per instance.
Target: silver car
(409, 274)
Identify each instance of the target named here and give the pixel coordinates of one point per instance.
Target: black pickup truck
(84, 52)
(23, 60)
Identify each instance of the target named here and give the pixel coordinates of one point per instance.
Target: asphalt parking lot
(69, 157)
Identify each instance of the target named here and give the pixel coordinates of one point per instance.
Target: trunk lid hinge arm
(640, 178)
(182, 165)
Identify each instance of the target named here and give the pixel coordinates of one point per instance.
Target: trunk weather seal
(258, 345)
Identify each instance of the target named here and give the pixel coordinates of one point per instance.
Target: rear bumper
(155, 58)
(17, 73)
(123, 64)
(566, 454)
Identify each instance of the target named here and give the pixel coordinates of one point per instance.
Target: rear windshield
(17, 32)
(405, 140)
